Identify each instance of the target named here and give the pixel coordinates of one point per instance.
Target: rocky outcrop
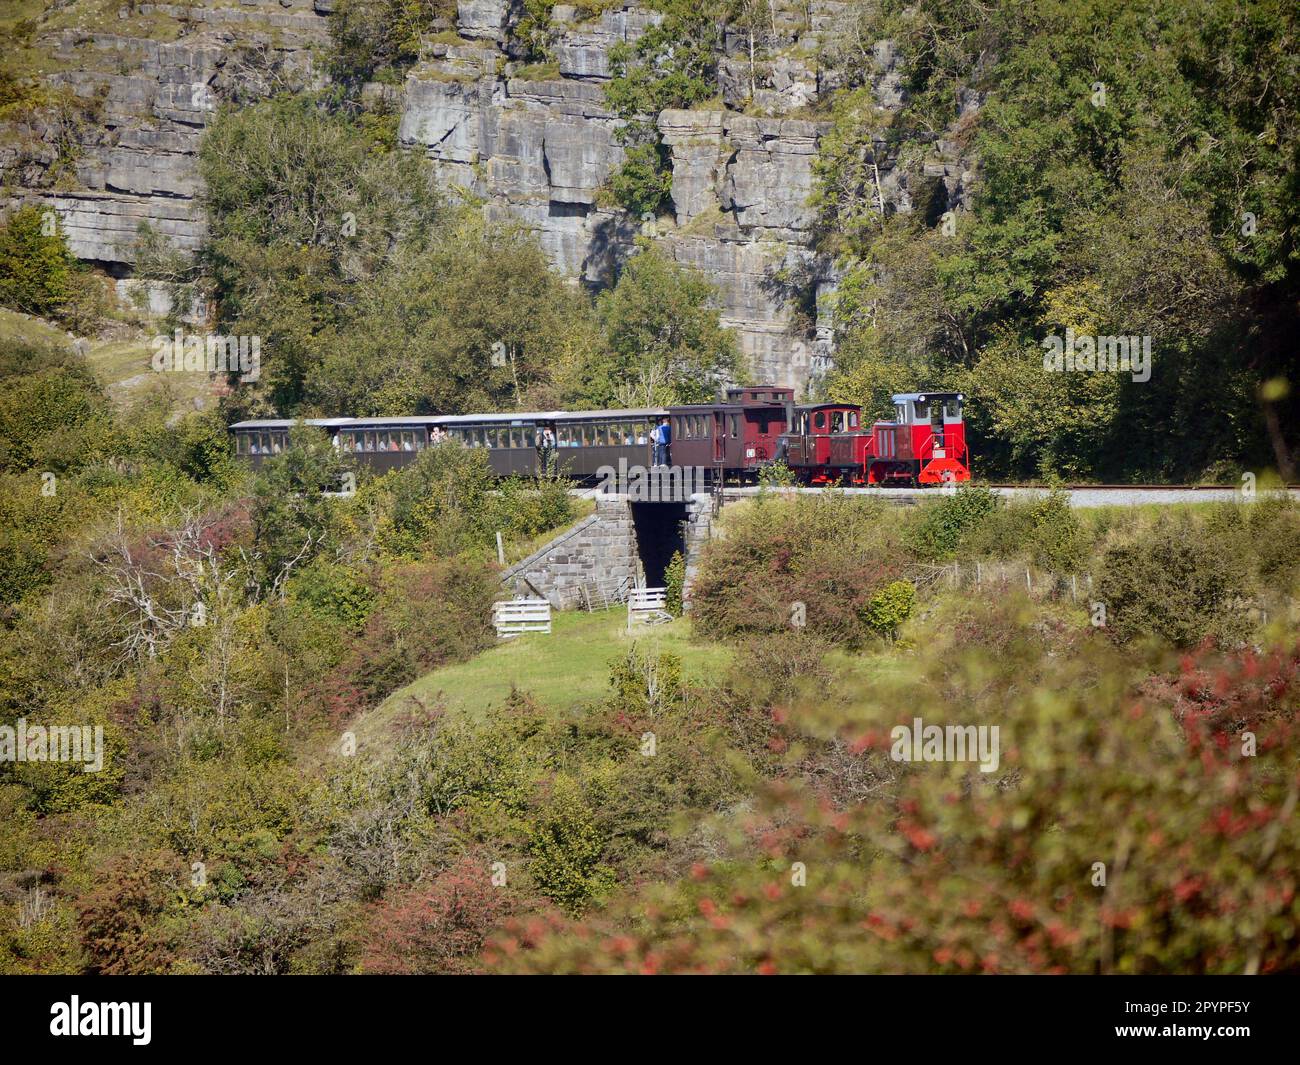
(131, 156)
(532, 142)
(540, 145)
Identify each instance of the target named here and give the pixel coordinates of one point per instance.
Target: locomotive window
(853, 419)
(952, 410)
(819, 420)
(837, 421)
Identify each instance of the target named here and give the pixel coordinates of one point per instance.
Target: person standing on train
(546, 449)
(662, 436)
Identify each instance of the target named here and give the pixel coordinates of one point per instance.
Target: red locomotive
(925, 444)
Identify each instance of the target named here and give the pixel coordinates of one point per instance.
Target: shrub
(813, 562)
(1117, 835)
(1173, 583)
(436, 925)
(674, 584)
(36, 268)
(943, 524)
(1045, 530)
(890, 607)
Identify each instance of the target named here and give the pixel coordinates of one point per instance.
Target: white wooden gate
(647, 606)
(514, 616)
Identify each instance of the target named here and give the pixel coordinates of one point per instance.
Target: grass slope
(567, 668)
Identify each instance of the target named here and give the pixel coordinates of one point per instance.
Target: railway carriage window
(277, 443)
(734, 420)
(530, 436)
(408, 440)
(562, 435)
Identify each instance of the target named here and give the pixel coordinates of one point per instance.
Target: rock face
(540, 146)
(145, 103)
(536, 143)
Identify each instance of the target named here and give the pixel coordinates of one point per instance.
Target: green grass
(565, 669)
(15, 326)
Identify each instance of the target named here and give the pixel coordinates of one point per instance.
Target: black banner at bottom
(188, 1014)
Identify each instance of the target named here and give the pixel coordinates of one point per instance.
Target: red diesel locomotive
(925, 443)
(732, 440)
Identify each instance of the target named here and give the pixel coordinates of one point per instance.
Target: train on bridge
(732, 440)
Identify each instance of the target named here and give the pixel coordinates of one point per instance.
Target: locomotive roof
(454, 419)
(904, 396)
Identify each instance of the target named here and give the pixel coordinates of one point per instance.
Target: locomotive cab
(930, 436)
(824, 440)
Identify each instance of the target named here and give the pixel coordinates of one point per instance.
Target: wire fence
(996, 577)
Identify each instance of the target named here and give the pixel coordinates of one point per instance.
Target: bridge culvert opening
(659, 533)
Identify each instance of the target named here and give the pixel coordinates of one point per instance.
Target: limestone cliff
(536, 143)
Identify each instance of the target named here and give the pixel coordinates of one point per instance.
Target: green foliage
(674, 584)
(643, 184)
(776, 475)
(370, 35)
(1152, 165)
(36, 268)
(945, 523)
(566, 846)
(813, 563)
(1176, 583)
(1045, 530)
(938, 867)
(292, 520)
(479, 321)
(665, 340)
(890, 607)
(301, 208)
